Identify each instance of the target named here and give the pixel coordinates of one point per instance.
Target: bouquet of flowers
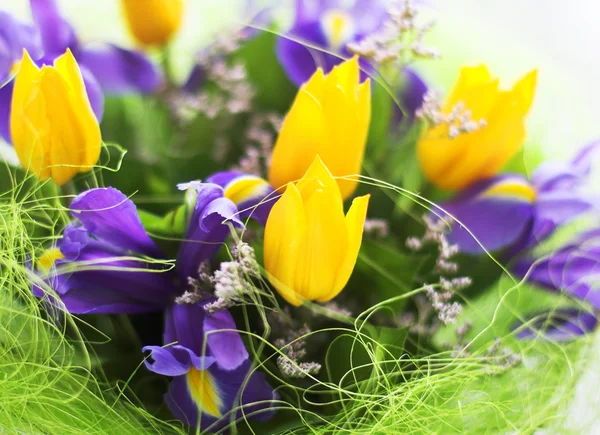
(301, 237)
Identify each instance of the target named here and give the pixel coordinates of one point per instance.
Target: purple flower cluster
(109, 264)
(511, 215)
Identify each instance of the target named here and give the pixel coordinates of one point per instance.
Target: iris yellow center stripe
(48, 258)
(203, 390)
(512, 190)
(244, 189)
(337, 25)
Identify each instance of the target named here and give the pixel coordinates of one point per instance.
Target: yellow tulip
(310, 246)
(456, 163)
(54, 130)
(330, 118)
(153, 22)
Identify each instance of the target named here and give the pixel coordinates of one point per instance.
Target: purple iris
(575, 270)
(214, 382)
(328, 25)
(105, 67)
(513, 214)
(109, 264)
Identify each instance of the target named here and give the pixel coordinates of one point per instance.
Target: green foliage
(274, 91)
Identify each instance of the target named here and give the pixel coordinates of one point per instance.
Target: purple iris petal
(184, 325)
(14, 37)
(174, 360)
(367, 15)
(94, 92)
(223, 340)
(6, 92)
(97, 277)
(496, 221)
(257, 204)
(189, 325)
(57, 34)
(231, 370)
(559, 325)
(554, 175)
(120, 71)
(300, 61)
(411, 94)
(181, 404)
(254, 389)
(574, 269)
(195, 80)
(109, 215)
(208, 228)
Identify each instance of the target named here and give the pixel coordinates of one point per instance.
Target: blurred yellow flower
(310, 246)
(330, 117)
(456, 163)
(153, 22)
(54, 130)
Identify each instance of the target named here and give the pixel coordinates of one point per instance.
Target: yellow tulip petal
(153, 22)
(330, 117)
(318, 177)
(364, 107)
(524, 90)
(469, 77)
(66, 150)
(25, 139)
(316, 84)
(347, 74)
(67, 66)
(457, 163)
(303, 131)
(284, 231)
(354, 224)
(324, 245)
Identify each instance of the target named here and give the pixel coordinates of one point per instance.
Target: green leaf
(385, 270)
(274, 91)
(381, 112)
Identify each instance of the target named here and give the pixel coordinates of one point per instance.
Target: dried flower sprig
(458, 120)
(440, 295)
(260, 137)
(293, 347)
(400, 39)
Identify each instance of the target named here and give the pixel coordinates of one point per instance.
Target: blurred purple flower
(558, 325)
(14, 37)
(510, 213)
(327, 25)
(574, 270)
(106, 68)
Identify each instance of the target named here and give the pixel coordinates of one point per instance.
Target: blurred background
(511, 36)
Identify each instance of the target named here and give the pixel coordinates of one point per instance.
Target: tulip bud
(54, 130)
(153, 22)
(453, 161)
(330, 117)
(310, 246)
